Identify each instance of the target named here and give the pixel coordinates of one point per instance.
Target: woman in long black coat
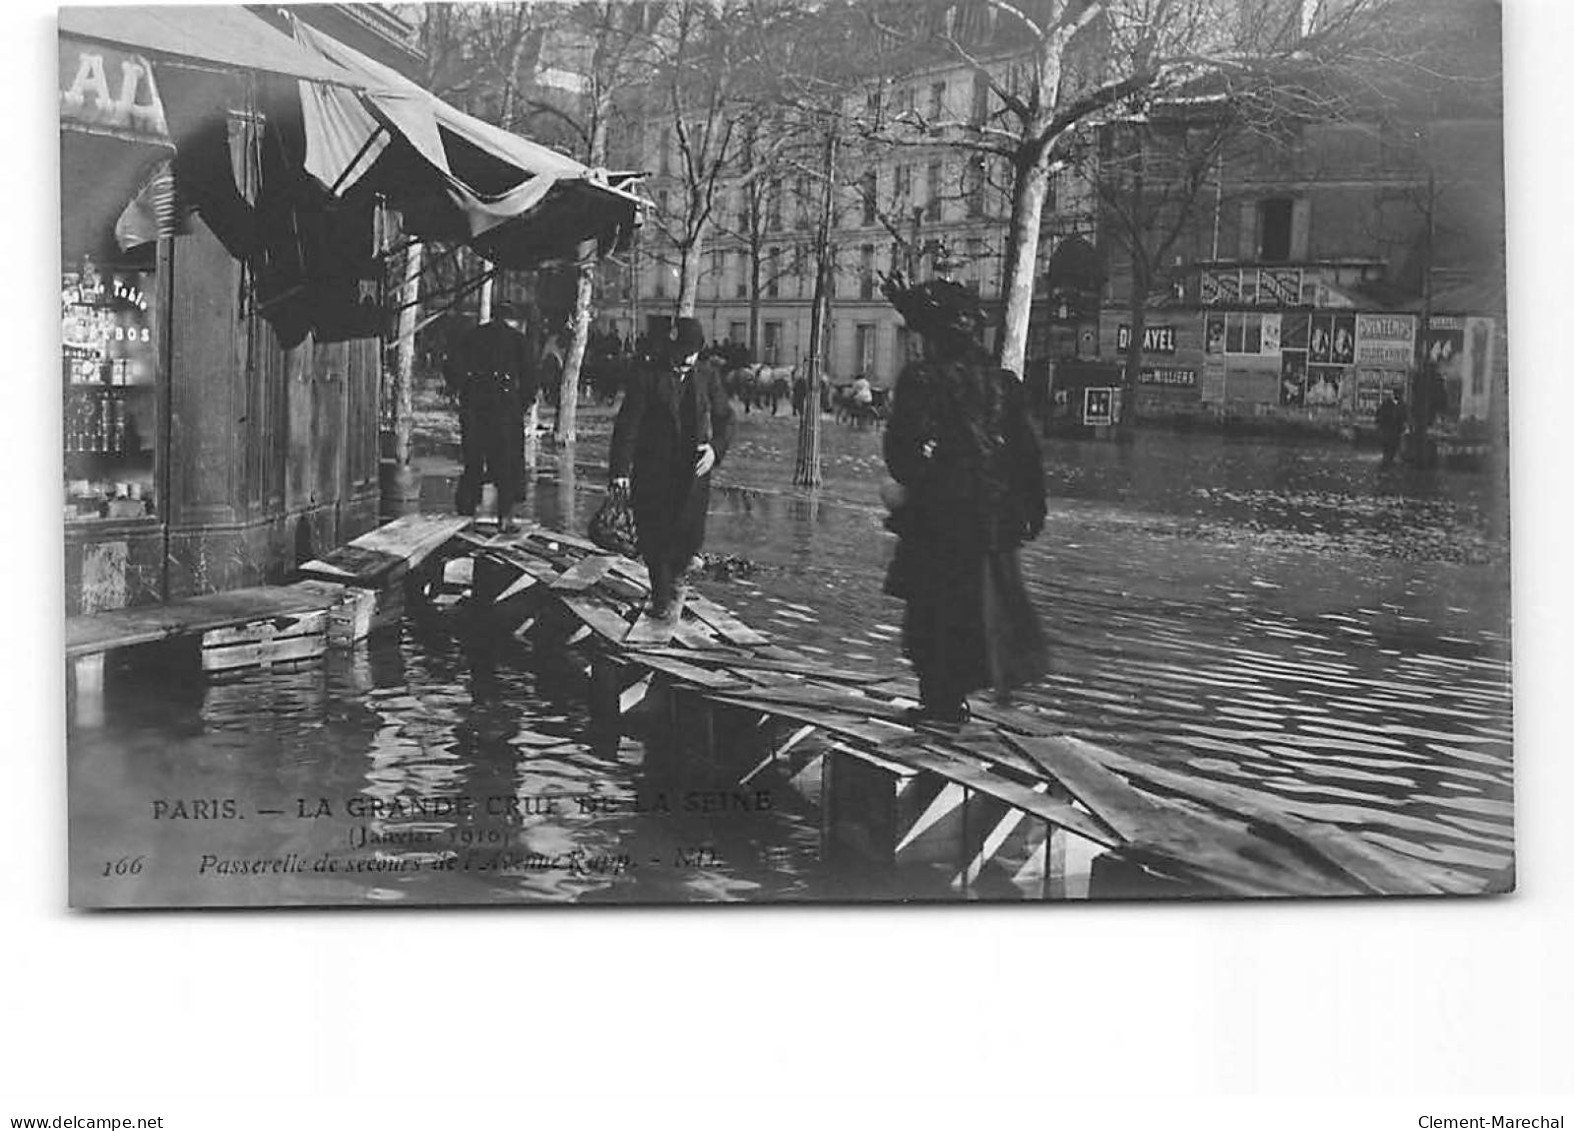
(672, 430)
(960, 445)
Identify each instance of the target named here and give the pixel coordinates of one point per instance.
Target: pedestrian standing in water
(672, 430)
(969, 491)
(494, 376)
(1390, 426)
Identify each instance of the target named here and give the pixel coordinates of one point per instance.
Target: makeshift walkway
(1002, 803)
(1002, 799)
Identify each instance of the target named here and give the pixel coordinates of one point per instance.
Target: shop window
(1275, 222)
(109, 368)
(773, 343)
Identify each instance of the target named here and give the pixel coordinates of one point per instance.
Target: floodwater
(1281, 615)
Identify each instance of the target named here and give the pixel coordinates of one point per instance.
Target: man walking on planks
(493, 373)
(672, 430)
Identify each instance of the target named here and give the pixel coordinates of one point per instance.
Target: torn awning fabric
(118, 132)
(452, 176)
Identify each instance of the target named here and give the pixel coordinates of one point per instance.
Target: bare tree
(1055, 68)
(597, 48)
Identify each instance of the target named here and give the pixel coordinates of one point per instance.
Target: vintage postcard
(623, 452)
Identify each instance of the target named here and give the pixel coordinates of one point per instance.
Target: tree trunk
(404, 357)
(565, 429)
(579, 339)
(806, 469)
(1419, 408)
(689, 278)
(754, 303)
(1016, 289)
(1138, 313)
(1141, 284)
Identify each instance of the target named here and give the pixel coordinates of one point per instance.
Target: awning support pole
(356, 160)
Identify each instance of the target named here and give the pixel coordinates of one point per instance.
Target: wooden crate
(261, 643)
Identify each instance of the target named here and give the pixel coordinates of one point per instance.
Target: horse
(755, 386)
(860, 414)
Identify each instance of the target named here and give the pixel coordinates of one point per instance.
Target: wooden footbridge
(1002, 803)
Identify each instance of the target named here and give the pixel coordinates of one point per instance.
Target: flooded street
(1279, 615)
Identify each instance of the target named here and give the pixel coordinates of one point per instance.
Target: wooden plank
(123, 628)
(413, 537)
(1376, 869)
(598, 617)
(688, 673)
(519, 585)
(584, 574)
(755, 662)
(281, 627)
(546, 537)
(263, 653)
(1018, 796)
(861, 679)
(1201, 844)
(693, 634)
(538, 568)
(634, 573)
(831, 698)
(655, 630)
(729, 626)
(833, 721)
(380, 557)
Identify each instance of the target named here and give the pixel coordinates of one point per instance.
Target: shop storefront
(208, 439)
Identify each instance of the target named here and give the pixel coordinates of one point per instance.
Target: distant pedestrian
(1391, 426)
(494, 376)
(970, 491)
(671, 431)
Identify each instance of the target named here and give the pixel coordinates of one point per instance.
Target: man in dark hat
(671, 431)
(493, 373)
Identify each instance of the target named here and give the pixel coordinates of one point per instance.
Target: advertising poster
(1211, 391)
(1342, 351)
(1098, 407)
(1324, 384)
(1270, 333)
(1320, 351)
(1387, 341)
(1214, 334)
(1292, 384)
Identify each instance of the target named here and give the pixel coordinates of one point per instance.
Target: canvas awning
(114, 76)
(228, 36)
(517, 203)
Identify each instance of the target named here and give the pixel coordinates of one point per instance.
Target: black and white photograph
(797, 562)
(607, 452)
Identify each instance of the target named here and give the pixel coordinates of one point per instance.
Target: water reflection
(1281, 617)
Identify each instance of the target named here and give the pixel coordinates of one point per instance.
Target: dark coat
(660, 425)
(960, 443)
(980, 487)
(492, 370)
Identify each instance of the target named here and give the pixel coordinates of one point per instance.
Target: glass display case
(109, 370)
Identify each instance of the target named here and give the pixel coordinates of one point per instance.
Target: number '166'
(125, 866)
